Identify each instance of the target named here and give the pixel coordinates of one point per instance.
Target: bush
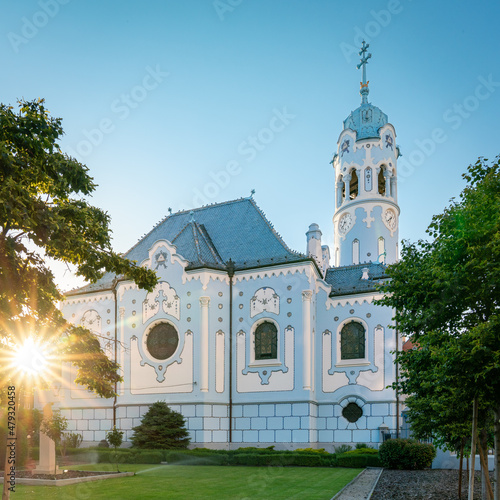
(363, 446)
(148, 457)
(253, 449)
(122, 458)
(161, 428)
(105, 457)
(358, 460)
(342, 448)
(248, 457)
(313, 450)
(72, 440)
(362, 451)
(406, 454)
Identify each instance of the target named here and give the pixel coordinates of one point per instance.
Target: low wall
(447, 460)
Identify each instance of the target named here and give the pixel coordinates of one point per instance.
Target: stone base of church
(283, 425)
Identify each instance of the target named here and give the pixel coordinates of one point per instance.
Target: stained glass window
(162, 341)
(352, 341)
(266, 341)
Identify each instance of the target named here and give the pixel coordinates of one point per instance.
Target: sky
(177, 104)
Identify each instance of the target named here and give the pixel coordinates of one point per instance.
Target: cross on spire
(364, 61)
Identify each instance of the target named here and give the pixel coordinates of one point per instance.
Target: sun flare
(30, 358)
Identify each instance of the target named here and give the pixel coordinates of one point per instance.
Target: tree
(54, 428)
(115, 439)
(43, 213)
(446, 294)
(161, 428)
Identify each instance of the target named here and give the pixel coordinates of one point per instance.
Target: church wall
(295, 400)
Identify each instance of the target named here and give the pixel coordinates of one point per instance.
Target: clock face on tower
(345, 223)
(390, 219)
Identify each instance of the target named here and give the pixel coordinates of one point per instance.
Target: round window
(352, 412)
(162, 341)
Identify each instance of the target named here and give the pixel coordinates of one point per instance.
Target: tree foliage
(54, 428)
(115, 439)
(161, 428)
(446, 294)
(44, 213)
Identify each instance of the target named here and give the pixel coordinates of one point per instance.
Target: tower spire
(364, 91)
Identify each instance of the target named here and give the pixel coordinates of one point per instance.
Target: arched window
(340, 191)
(393, 186)
(266, 341)
(355, 251)
(381, 181)
(354, 185)
(352, 341)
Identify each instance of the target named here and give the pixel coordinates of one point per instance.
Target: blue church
(253, 343)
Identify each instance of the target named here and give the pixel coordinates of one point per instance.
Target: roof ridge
(354, 266)
(209, 242)
(181, 212)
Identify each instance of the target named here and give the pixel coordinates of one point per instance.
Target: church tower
(366, 207)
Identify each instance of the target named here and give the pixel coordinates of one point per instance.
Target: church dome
(366, 121)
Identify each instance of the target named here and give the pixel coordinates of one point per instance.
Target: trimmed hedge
(358, 461)
(406, 454)
(362, 451)
(241, 456)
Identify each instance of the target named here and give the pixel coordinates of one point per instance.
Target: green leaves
(161, 428)
(42, 213)
(446, 293)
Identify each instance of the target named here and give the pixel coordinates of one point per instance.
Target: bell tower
(366, 214)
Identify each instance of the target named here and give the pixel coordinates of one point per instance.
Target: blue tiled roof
(209, 236)
(197, 245)
(348, 279)
(366, 121)
(237, 230)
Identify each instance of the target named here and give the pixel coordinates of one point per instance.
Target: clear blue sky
(178, 88)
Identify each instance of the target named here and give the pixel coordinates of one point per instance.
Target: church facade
(256, 344)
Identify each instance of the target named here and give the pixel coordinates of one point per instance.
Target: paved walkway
(361, 487)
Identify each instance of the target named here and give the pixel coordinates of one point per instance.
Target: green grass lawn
(204, 482)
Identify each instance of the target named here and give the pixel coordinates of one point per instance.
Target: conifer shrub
(406, 454)
(161, 428)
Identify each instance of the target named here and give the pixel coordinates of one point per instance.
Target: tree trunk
(473, 450)
(496, 476)
(461, 468)
(488, 490)
(482, 441)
